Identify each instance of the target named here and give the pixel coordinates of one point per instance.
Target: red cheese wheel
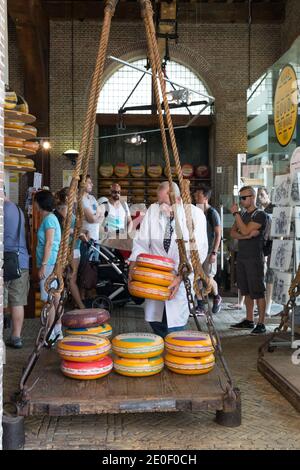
(121, 170)
(154, 261)
(202, 171)
(85, 318)
(87, 370)
(187, 170)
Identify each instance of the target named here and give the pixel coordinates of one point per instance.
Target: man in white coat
(157, 236)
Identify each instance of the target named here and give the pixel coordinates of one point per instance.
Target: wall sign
(286, 105)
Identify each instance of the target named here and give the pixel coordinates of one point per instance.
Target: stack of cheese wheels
(189, 352)
(13, 142)
(106, 170)
(138, 354)
(154, 171)
(31, 146)
(151, 277)
(86, 343)
(137, 170)
(11, 100)
(121, 170)
(187, 170)
(26, 162)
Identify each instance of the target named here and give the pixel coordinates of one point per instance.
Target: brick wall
(2, 78)
(291, 28)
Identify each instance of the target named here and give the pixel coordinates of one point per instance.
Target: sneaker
(199, 311)
(15, 342)
(243, 325)
(260, 329)
(217, 304)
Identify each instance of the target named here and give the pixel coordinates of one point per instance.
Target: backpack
(267, 242)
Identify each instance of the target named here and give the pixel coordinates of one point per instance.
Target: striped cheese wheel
(31, 129)
(10, 100)
(156, 262)
(190, 365)
(125, 183)
(13, 141)
(137, 345)
(121, 170)
(138, 367)
(154, 171)
(87, 370)
(85, 318)
(148, 291)
(105, 184)
(137, 170)
(33, 146)
(202, 171)
(173, 171)
(101, 330)
(152, 276)
(189, 344)
(187, 170)
(106, 170)
(83, 348)
(14, 124)
(152, 192)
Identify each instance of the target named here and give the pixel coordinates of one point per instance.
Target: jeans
(161, 328)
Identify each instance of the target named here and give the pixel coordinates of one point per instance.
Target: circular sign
(286, 105)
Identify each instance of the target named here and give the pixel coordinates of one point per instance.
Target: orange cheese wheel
(31, 129)
(148, 291)
(14, 124)
(173, 171)
(190, 365)
(137, 170)
(138, 345)
(138, 367)
(121, 170)
(154, 171)
(187, 170)
(189, 344)
(152, 192)
(153, 184)
(152, 276)
(9, 160)
(156, 262)
(87, 370)
(106, 170)
(26, 162)
(83, 348)
(105, 183)
(138, 191)
(32, 146)
(13, 141)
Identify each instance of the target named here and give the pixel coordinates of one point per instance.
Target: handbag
(11, 267)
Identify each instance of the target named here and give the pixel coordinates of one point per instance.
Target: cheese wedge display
(189, 344)
(87, 370)
(137, 345)
(148, 291)
(190, 365)
(101, 330)
(156, 262)
(138, 367)
(152, 276)
(83, 348)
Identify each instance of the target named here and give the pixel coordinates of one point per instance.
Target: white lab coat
(150, 240)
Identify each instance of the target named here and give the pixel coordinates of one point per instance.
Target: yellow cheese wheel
(9, 160)
(189, 344)
(137, 345)
(31, 129)
(190, 365)
(148, 291)
(121, 170)
(152, 276)
(153, 184)
(106, 170)
(105, 183)
(26, 162)
(124, 183)
(187, 170)
(173, 171)
(137, 184)
(87, 370)
(138, 367)
(13, 141)
(154, 171)
(137, 170)
(102, 330)
(83, 348)
(202, 171)
(155, 261)
(10, 100)
(33, 146)
(14, 124)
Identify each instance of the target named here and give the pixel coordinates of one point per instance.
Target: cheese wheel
(101, 330)
(13, 141)
(26, 162)
(121, 170)
(156, 262)
(190, 365)
(9, 160)
(14, 124)
(105, 184)
(83, 348)
(137, 184)
(85, 318)
(137, 345)
(87, 370)
(125, 183)
(137, 170)
(189, 344)
(173, 171)
(152, 276)
(10, 100)
(154, 171)
(187, 170)
(106, 170)
(202, 171)
(138, 367)
(138, 191)
(31, 129)
(22, 105)
(33, 146)
(148, 291)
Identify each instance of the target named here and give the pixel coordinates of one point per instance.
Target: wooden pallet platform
(277, 367)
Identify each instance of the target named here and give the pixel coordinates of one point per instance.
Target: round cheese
(106, 170)
(32, 146)
(154, 171)
(138, 367)
(85, 318)
(13, 141)
(187, 170)
(189, 344)
(101, 330)
(87, 370)
(14, 124)
(190, 365)
(152, 276)
(121, 170)
(137, 170)
(155, 261)
(83, 348)
(137, 345)
(202, 171)
(148, 291)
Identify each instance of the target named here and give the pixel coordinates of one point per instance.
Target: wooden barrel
(148, 291)
(190, 365)
(155, 261)
(189, 344)
(85, 318)
(138, 345)
(138, 367)
(87, 370)
(83, 348)
(152, 276)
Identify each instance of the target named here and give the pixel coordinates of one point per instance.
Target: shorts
(76, 253)
(16, 292)
(210, 269)
(44, 294)
(250, 277)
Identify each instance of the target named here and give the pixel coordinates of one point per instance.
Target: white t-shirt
(117, 216)
(90, 202)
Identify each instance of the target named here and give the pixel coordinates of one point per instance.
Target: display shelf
(18, 116)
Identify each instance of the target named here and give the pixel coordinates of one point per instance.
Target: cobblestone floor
(269, 421)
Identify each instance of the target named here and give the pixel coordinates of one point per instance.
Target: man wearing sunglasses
(117, 213)
(248, 229)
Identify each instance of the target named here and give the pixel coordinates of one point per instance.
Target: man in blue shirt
(16, 291)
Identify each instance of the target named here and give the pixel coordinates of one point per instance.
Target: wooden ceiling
(191, 11)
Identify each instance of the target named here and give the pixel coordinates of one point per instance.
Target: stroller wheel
(103, 302)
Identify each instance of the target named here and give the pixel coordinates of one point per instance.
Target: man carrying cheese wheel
(157, 236)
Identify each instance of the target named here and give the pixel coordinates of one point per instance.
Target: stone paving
(269, 421)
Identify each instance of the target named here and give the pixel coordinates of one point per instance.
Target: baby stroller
(109, 276)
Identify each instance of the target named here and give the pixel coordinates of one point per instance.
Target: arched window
(120, 85)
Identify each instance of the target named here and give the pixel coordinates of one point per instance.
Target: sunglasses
(243, 198)
(116, 192)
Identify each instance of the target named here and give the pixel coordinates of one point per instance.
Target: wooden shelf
(18, 116)
(148, 178)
